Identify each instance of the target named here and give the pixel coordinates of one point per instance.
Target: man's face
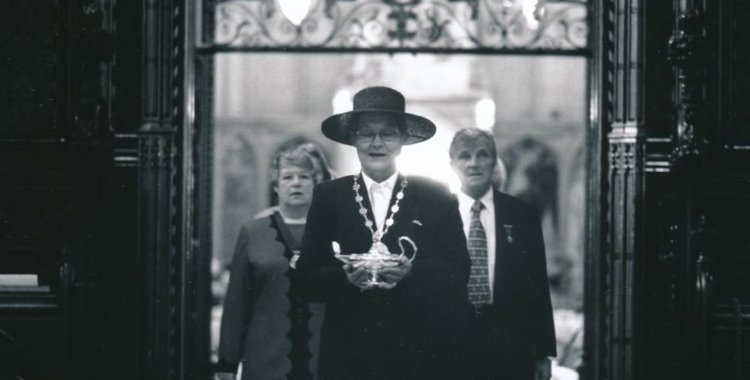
(378, 141)
(474, 164)
(295, 186)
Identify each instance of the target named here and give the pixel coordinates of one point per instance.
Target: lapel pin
(508, 233)
(417, 222)
(293, 261)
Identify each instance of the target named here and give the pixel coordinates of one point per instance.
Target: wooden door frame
(195, 145)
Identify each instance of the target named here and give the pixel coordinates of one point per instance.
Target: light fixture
(295, 10)
(484, 114)
(529, 9)
(342, 101)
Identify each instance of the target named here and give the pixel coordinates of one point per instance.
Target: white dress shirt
(487, 218)
(380, 197)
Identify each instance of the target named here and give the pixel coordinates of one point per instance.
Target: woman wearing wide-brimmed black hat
(404, 327)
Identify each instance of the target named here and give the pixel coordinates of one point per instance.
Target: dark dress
(265, 323)
(404, 333)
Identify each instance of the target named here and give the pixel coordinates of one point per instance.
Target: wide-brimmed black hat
(380, 99)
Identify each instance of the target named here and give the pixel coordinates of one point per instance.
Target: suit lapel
(502, 247)
(396, 189)
(400, 220)
(406, 206)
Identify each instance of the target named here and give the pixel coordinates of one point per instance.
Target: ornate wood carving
(595, 334)
(92, 51)
(199, 293)
(165, 218)
(160, 265)
(688, 54)
(625, 213)
(621, 281)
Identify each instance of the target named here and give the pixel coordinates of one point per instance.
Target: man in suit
(514, 331)
(405, 327)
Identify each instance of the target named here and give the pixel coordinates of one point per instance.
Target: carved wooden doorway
(371, 42)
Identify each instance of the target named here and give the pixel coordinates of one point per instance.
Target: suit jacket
(521, 312)
(382, 333)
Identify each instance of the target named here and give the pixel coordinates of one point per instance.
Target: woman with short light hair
(266, 326)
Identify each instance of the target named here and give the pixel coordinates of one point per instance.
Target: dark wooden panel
(118, 300)
(39, 344)
(128, 69)
(724, 362)
(659, 78)
(37, 192)
(66, 213)
(32, 67)
(732, 90)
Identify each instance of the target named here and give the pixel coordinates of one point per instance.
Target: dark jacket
(521, 327)
(405, 332)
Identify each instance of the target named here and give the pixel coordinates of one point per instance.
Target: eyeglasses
(387, 135)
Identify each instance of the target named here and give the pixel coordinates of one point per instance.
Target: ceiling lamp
(295, 10)
(484, 114)
(342, 101)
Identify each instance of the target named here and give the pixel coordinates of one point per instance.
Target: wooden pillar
(629, 95)
(621, 50)
(164, 187)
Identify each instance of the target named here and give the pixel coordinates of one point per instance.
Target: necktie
(380, 199)
(479, 283)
